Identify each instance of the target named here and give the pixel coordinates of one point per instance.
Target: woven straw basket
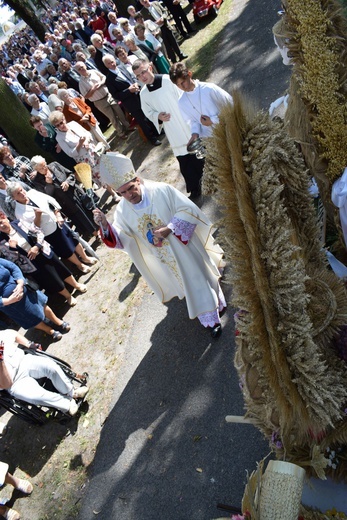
(281, 490)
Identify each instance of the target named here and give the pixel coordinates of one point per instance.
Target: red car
(203, 8)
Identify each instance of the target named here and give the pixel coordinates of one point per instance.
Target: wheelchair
(36, 414)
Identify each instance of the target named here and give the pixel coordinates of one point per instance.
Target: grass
(203, 46)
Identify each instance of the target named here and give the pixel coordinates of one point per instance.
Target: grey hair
(106, 57)
(56, 117)
(129, 38)
(62, 93)
(11, 187)
(31, 98)
(52, 88)
(36, 161)
(95, 37)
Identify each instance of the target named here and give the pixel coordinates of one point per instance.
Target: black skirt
(62, 242)
(50, 274)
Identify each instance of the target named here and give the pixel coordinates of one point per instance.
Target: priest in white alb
(159, 102)
(200, 102)
(168, 238)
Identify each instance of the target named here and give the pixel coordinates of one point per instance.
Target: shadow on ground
(165, 450)
(247, 57)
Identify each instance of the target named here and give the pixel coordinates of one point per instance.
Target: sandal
(11, 514)
(85, 269)
(81, 287)
(65, 326)
(57, 335)
(91, 260)
(71, 301)
(25, 486)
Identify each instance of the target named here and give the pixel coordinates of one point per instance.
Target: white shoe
(73, 408)
(80, 392)
(11, 514)
(91, 260)
(85, 269)
(25, 486)
(81, 288)
(71, 301)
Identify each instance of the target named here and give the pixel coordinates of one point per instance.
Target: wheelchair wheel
(28, 412)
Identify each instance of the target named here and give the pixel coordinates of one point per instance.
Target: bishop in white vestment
(168, 238)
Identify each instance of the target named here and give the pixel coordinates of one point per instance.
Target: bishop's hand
(100, 218)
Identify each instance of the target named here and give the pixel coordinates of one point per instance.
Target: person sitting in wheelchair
(19, 373)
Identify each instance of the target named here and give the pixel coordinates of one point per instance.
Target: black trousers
(51, 273)
(147, 126)
(170, 43)
(180, 18)
(192, 170)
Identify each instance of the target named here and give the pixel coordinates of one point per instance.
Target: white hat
(116, 169)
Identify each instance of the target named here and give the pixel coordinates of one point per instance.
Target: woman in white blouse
(78, 143)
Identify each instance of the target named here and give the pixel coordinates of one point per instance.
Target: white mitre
(116, 169)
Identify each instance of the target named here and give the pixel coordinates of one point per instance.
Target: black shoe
(156, 142)
(183, 57)
(222, 312)
(216, 331)
(194, 195)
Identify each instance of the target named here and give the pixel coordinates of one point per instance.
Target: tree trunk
(14, 120)
(26, 13)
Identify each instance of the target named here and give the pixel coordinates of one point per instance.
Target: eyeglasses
(141, 73)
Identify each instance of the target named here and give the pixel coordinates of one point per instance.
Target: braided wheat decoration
(290, 305)
(315, 33)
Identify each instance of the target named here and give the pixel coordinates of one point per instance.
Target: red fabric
(185, 242)
(110, 240)
(99, 25)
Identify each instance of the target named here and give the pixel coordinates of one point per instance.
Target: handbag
(31, 285)
(86, 199)
(32, 237)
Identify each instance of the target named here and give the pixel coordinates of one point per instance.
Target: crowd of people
(82, 33)
(93, 64)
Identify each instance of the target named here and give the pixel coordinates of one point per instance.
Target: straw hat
(116, 169)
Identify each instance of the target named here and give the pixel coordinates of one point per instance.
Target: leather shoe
(194, 195)
(183, 57)
(216, 331)
(156, 142)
